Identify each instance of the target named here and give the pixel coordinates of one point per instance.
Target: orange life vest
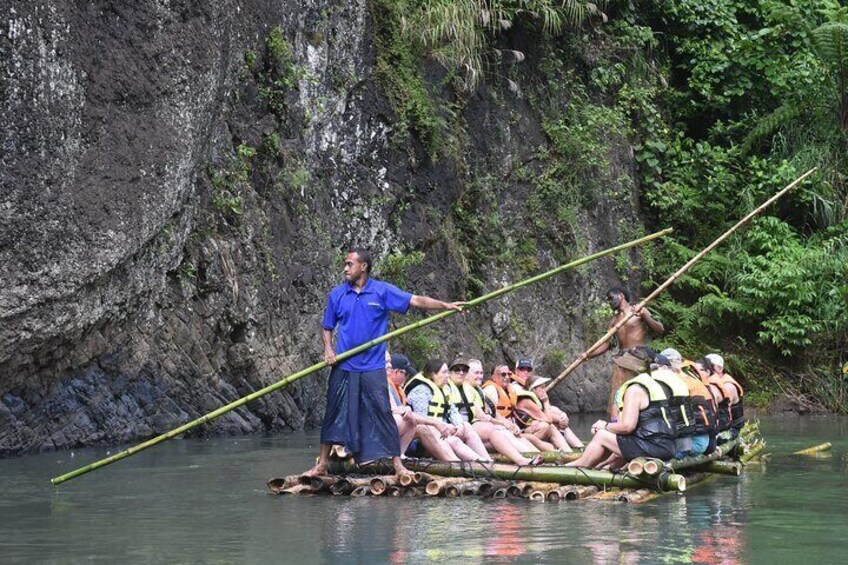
(505, 406)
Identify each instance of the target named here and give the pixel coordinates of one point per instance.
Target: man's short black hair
(364, 257)
(619, 290)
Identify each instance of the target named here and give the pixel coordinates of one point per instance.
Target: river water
(204, 501)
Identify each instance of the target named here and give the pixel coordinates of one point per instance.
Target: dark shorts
(359, 415)
(632, 447)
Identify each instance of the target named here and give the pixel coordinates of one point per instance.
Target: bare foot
(318, 470)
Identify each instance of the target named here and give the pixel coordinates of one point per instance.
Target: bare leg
(433, 444)
(522, 444)
(467, 434)
(462, 451)
(553, 435)
(498, 437)
(406, 431)
(400, 470)
(538, 442)
(572, 438)
(603, 445)
(320, 468)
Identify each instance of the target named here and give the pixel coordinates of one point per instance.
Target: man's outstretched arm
(427, 303)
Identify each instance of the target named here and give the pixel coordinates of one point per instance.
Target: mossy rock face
(172, 246)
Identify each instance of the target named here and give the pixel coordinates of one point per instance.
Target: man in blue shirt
(358, 414)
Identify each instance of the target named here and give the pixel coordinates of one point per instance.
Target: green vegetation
(744, 97)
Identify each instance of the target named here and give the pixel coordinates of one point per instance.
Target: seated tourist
(424, 393)
(641, 430)
(537, 386)
(698, 408)
(497, 391)
(424, 430)
(496, 433)
(733, 407)
(529, 410)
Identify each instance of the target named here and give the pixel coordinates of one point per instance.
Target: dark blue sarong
(359, 415)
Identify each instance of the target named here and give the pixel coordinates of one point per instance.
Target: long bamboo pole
(815, 449)
(342, 356)
(585, 355)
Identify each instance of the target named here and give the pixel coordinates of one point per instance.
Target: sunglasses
(525, 368)
(460, 370)
(505, 373)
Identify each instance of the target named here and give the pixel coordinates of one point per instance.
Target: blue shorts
(359, 415)
(700, 444)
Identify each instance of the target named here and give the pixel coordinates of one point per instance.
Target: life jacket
(458, 396)
(733, 415)
(506, 399)
(399, 394)
(438, 406)
(701, 405)
(521, 417)
(486, 404)
(678, 402)
(654, 421)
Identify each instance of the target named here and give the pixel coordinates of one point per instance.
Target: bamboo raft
(642, 480)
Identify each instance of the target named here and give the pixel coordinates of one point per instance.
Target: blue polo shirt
(359, 318)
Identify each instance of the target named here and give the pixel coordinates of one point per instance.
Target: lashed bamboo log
(612, 331)
(361, 491)
(467, 487)
(345, 485)
(556, 457)
(814, 449)
(318, 484)
(380, 485)
(488, 488)
(347, 354)
(733, 468)
(278, 484)
(635, 496)
(297, 489)
(752, 453)
(437, 486)
(561, 475)
(394, 491)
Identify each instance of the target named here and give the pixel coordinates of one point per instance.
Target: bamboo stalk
(488, 488)
(556, 457)
(379, 485)
(636, 496)
(635, 467)
(361, 491)
(612, 331)
(297, 489)
(438, 486)
(346, 485)
(394, 491)
(561, 475)
(814, 449)
(733, 468)
(513, 491)
(278, 484)
(317, 484)
(534, 486)
(752, 453)
(466, 487)
(499, 493)
(347, 354)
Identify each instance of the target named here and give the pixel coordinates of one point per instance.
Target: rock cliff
(180, 179)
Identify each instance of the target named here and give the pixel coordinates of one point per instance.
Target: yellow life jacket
(678, 401)
(654, 420)
(438, 405)
(461, 398)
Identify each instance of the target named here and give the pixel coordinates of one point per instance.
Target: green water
(201, 501)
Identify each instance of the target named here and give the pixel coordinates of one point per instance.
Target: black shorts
(632, 447)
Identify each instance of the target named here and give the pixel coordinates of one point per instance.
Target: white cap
(715, 359)
(673, 355)
(539, 381)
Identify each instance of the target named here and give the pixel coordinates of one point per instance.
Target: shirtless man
(626, 362)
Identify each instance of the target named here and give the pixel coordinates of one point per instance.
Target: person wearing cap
(358, 414)
(731, 409)
(498, 393)
(529, 410)
(630, 358)
(425, 394)
(497, 433)
(461, 404)
(411, 426)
